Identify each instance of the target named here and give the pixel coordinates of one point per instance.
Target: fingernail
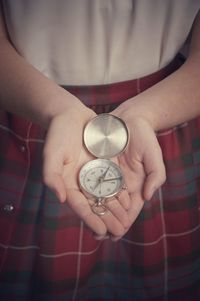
(114, 238)
(153, 191)
(150, 194)
(101, 237)
(61, 200)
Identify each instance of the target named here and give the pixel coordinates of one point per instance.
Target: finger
(124, 199)
(114, 216)
(155, 170)
(118, 212)
(137, 204)
(153, 181)
(114, 226)
(52, 176)
(56, 184)
(101, 237)
(81, 207)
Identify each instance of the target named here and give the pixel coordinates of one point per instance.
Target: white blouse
(98, 41)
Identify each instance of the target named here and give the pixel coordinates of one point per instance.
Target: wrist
(61, 103)
(134, 111)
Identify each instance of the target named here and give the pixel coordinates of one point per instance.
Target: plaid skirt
(48, 254)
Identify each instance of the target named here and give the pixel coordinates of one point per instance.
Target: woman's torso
(98, 42)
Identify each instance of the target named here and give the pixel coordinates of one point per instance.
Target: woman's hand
(64, 155)
(142, 162)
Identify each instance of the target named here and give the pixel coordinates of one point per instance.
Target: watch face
(106, 136)
(101, 178)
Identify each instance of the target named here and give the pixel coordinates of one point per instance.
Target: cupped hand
(142, 162)
(64, 155)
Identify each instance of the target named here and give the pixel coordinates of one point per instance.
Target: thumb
(52, 175)
(153, 181)
(155, 171)
(56, 184)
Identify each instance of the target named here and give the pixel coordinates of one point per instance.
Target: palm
(134, 173)
(141, 164)
(135, 176)
(64, 155)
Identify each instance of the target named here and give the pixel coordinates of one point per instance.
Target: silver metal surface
(99, 208)
(8, 208)
(106, 136)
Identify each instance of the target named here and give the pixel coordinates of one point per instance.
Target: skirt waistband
(111, 95)
(100, 98)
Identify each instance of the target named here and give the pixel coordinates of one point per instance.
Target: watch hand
(101, 178)
(100, 188)
(96, 185)
(104, 175)
(112, 179)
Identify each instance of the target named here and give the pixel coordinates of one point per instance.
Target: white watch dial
(101, 178)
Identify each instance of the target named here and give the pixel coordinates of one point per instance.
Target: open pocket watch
(105, 137)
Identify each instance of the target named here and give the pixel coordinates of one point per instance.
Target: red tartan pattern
(48, 254)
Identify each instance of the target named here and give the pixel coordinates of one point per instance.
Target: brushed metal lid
(106, 136)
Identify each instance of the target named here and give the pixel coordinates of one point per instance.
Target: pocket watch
(105, 137)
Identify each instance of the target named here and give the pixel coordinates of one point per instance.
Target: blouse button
(8, 208)
(22, 148)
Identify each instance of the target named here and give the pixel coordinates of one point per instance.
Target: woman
(61, 64)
